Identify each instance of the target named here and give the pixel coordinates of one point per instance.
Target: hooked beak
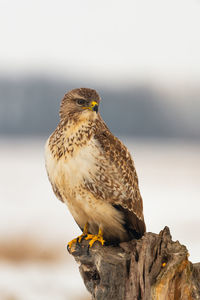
(94, 106)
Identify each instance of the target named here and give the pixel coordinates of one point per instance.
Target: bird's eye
(80, 101)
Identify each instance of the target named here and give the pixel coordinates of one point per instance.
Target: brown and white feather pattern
(93, 173)
(116, 179)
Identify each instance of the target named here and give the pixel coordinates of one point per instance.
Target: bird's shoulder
(113, 148)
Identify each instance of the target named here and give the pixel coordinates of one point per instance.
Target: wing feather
(116, 179)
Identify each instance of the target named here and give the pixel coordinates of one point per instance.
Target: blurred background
(143, 57)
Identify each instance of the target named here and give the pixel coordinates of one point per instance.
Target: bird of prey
(93, 173)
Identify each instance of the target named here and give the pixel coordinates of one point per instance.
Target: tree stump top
(153, 267)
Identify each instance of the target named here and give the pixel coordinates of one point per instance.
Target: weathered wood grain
(153, 267)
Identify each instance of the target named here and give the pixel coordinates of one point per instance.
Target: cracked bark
(153, 267)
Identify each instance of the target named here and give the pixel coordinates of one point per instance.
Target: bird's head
(79, 102)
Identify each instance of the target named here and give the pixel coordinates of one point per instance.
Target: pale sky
(107, 39)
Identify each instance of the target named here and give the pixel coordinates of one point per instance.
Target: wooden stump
(153, 267)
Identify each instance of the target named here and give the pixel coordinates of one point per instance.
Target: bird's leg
(79, 238)
(95, 237)
(85, 232)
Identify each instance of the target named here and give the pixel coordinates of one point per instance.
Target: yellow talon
(79, 238)
(95, 237)
(69, 245)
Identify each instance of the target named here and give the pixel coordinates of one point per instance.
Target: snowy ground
(35, 226)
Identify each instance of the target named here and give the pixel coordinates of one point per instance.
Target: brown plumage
(92, 171)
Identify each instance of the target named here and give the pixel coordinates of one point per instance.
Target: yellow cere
(93, 103)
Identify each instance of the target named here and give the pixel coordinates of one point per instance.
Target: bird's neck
(70, 135)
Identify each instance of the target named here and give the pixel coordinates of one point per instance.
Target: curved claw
(79, 238)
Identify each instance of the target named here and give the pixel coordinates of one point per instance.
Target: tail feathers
(134, 227)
